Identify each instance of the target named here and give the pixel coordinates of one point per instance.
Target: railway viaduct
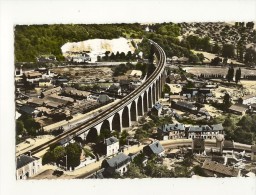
(137, 105)
(121, 114)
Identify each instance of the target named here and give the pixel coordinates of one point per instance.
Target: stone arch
(140, 106)
(125, 117)
(92, 135)
(133, 111)
(149, 97)
(116, 122)
(105, 126)
(145, 102)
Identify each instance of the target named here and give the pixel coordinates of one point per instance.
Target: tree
(226, 101)
(228, 51)
(230, 74)
(250, 25)
(200, 57)
(216, 49)
(250, 56)
(238, 75)
(19, 127)
(151, 54)
(134, 172)
(216, 61)
(48, 158)
(59, 152)
(123, 137)
(104, 134)
(73, 151)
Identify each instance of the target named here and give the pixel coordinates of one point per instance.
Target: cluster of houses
(116, 162)
(181, 131)
(60, 103)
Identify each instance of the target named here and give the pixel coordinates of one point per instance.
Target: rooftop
(118, 160)
(220, 168)
(171, 127)
(111, 140)
(23, 160)
(238, 107)
(155, 148)
(199, 128)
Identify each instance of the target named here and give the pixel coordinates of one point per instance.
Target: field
(216, 70)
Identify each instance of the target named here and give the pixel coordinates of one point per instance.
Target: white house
(27, 166)
(248, 99)
(112, 146)
(205, 131)
(118, 164)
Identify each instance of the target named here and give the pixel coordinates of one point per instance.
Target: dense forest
(34, 40)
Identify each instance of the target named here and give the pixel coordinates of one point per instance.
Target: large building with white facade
(27, 166)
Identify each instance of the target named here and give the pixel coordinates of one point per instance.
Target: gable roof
(220, 168)
(157, 106)
(27, 109)
(51, 91)
(171, 127)
(199, 128)
(185, 105)
(118, 160)
(154, 148)
(238, 107)
(111, 140)
(23, 160)
(217, 127)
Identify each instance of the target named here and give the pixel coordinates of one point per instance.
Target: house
(103, 98)
(111, 146)
(184, 106)
(178, 97)
(55, 90)
(239, 109)
(247, 100)
(35, 101)
(253, 153)
(171, 131)
(157, 109)
(44, 83)
(46, 58)
(114, 89)
(69, 91)
(61, 82)
(204, 131)
(198, 145)
(136, 74)
(189, 92)
(174, 153)
(199, 131)
(154, 148)
(27, 166)
(218, 127)
(117, 164)
(125, 84)
(183, 60)
(212, 168)
(28, 110)
(33, 76)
